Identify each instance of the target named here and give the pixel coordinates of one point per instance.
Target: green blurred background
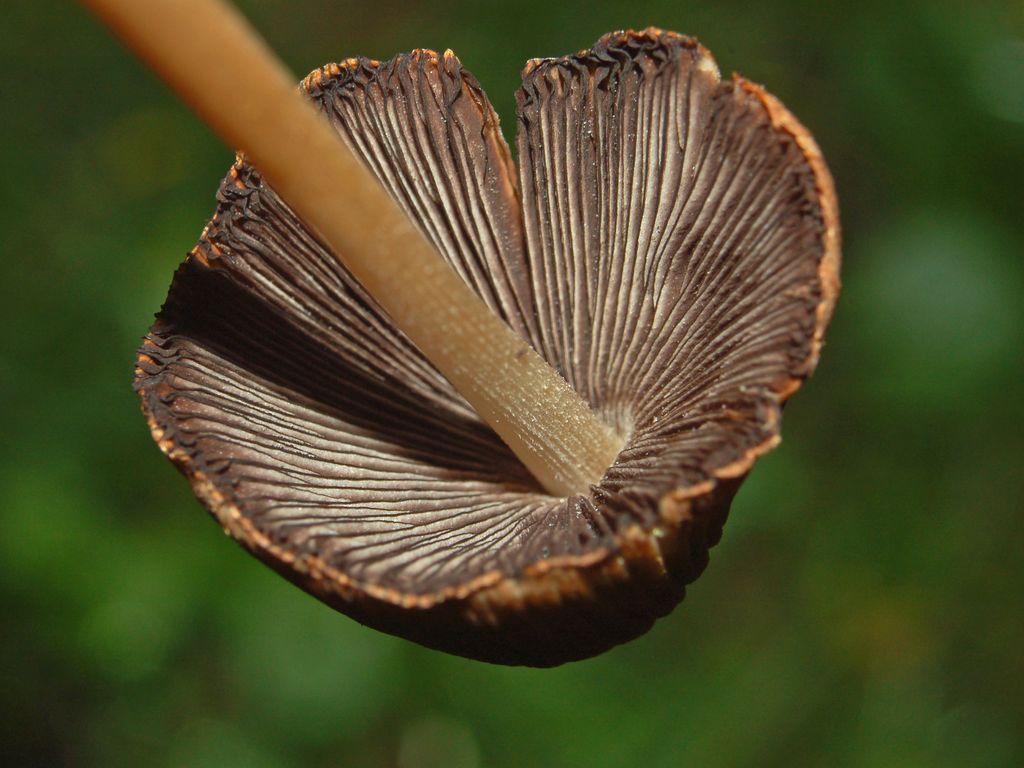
(865, 605)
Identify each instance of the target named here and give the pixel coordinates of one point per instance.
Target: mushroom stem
(209, 54)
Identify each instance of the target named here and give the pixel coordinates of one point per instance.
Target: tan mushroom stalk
(668, 241)
(214, 59)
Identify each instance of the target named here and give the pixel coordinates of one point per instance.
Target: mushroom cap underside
(668, 241)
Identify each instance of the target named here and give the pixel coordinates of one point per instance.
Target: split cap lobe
(670, 246)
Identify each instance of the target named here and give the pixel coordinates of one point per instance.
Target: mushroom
(669, 243)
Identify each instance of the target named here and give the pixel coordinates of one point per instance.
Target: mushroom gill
(669, 243)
